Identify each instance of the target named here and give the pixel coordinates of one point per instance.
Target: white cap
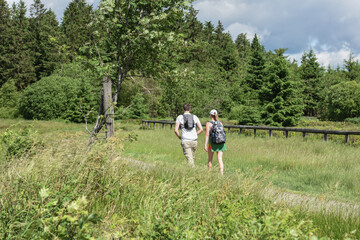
(213, 112)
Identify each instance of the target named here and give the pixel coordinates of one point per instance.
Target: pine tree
(5, 25)
(256, 73)
(22, 70)
(208, 31)
(192, 26)
(311, 73)
(243, 47)
(282, 106)
(352, 68)
(44, 28)
(75, 26)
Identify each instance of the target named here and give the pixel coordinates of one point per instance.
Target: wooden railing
(270, 130)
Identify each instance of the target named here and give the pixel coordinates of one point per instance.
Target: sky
(329, 27)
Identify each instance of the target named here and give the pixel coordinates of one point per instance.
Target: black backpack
(217, 133)
(189, 122)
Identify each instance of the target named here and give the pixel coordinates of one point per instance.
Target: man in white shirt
(189, 134)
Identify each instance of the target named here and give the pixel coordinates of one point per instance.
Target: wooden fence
(270, 130)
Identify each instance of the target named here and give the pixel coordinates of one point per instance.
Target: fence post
(154, 125)
(270, 133)
(148, 124)
(347, 138)
(304, 134)
(163, 125)
(254, 132)
(287, 134)
(240, 131)
(170, 125)
(325, 137)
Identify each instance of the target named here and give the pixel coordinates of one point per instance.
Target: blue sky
(330, 27)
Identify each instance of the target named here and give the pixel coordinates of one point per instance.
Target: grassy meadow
(138, 185)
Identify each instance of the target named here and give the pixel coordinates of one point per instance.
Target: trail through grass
(310, 166)
(59, 188)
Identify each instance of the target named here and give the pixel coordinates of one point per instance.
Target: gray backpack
(189, 122)
(217, 133)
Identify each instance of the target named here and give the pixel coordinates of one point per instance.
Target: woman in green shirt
(211, 147)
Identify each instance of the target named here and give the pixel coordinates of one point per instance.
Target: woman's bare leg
(221, 164)
(210, 158)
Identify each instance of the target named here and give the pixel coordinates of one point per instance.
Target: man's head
(187, 107)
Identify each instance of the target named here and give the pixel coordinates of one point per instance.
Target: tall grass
(61, 190)
(313, 166)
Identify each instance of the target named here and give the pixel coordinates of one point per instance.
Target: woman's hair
(216, 117)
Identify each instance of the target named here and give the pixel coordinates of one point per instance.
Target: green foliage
(61, 96)
(339, 103)
(15, 142)
(352, 68)
(245, 115)
(75, 25)
(355, 120)
(44, 29)
(311, 73)
(47, 216)
(138, 109)
(278, 95)
(256, 72)
(181, 86)
(5, 27)
(9, 98)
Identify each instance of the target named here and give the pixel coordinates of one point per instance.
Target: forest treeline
(52, 70)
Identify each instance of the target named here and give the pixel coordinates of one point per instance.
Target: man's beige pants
(189, 149)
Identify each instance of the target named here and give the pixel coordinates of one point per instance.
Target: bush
(60, 96)
(17, 141)
(246, 115)
(355, 120)
(343, 101)
(9, 98)
(138, 108)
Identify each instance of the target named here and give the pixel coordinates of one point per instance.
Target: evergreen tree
(256, 73)
(5, 25)
(352, 68)
(75, 25)
(208, 31)
(282, 106)
(44, 27)
(192, 26)
(311, 73)
(22, 70)
(243, 47)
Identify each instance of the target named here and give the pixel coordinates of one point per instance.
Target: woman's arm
(207, 133)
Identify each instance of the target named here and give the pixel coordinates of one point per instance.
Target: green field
(139, 186)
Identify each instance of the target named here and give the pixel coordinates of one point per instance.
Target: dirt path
(313, 203)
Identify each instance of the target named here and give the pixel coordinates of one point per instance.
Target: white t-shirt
(187, 134)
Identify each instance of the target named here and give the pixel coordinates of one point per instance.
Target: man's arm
(176, 130)
(200, 129)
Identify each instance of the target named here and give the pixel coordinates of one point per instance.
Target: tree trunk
(108, 107)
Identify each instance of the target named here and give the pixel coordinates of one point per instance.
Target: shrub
(17, 141)
(355, 120)
(343, 101)
(59, 96)
(9, 98)
(246, 115)
(138, 108)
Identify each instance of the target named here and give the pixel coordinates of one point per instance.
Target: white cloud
(326, 58)
(236, 28)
